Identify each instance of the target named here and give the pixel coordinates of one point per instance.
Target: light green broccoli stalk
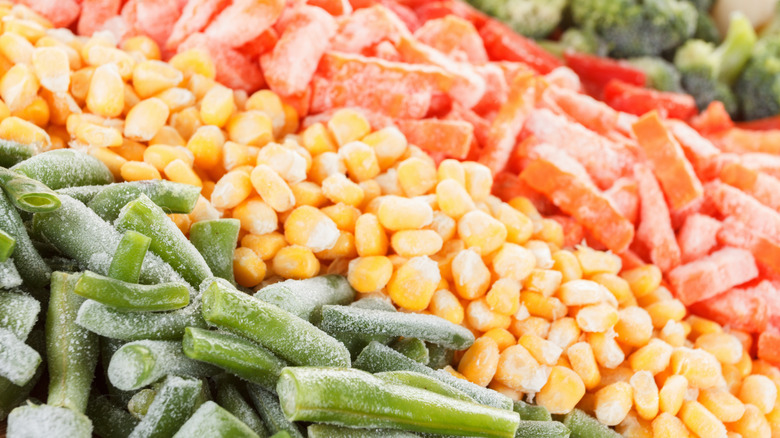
(661, 74)
(532, 18)
(758, 87)
(576, 40)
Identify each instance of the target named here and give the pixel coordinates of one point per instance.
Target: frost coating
(33, 421)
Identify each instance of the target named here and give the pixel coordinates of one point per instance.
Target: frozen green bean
(12, 395)
(108, 419)
(168, 242)
(28, 194)
(281, 434)
(331, 431)
(130, 296)
(350, 397)
(65, 168)
(135, 326)
(211, 420)
(128, 259)
(231, 398)
(176, 400)
(172, 197)
(541, 429)
(31, 266)
(216, 241)
(108, 347)
(291, 338)
(139, 403)
(7, 245)
(83, 194)
(583, 425)
(63, 264)
(531, 412)
(412, 348)
(12, 152)
(304, 298)
(374, 303)
(422, 381)
(36, 421)
(234, 354)
(9, 275)
(18, 313)
(18, 361)
(140, 363)
(356, 342)
(439, 357)
(267, 404)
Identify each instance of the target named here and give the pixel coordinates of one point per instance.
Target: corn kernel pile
(565, 327)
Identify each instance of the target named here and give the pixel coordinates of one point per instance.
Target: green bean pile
(146, 334)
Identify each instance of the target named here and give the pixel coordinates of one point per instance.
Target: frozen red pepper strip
(637, 100)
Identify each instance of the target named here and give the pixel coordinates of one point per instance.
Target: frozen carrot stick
(709, 276)
(453, 36)
(655, 226)
(759, 185)
(741, 308)
(451, 137)
(697, 236)
(764, 248)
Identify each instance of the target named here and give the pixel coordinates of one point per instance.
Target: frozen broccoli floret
(708, 71)
(576, 40)
(758, 87)
(706, 29)
(661, 74)
(532, 18)
(701, 5)
(637, 28)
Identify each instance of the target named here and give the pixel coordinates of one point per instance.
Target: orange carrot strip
(765, 250)
(496, 88)
(508, 185)
(194, 18)
(699, 150)
(730, 201)
(244, 20)
(94, 13)
(655, 226)
(673, 171)
(264, 42)
(450, 137)
(624, 194)
(769, 346)
(333, 7)
(763, 187)
(742, 308)
(744, 140)
(61, 13)
(366, 27)
(766, 163)
(698, 236)
(573, 232)
(709, 276)
(594, 115)
(453, 36)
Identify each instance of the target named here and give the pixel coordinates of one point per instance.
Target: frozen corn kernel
(113, 161)
(660, 294)
(643, 280)
(543, 281)
(613, 403)
(445, 304)
(606, 349)
(344, 248)
(36, 112)
(295, 262)
(286, 162)
(369, 274)
(453, 199)
(235, 155)
(512, 261)
(178, 99)
(481, 232)
(596, 262)
(19, 87)
(645, 393)
(597, 318)
(583, 362)
(537, 304)
(544, 351)
(634, 327)
(664, 311)
(106, 92)
(567, 264)
(582, 293)
(143, 45)
(617, 286)
(252, 128)
(725, 347)
(316, 139)
(360, 160)
(248, 268)
(348, 125)
(217, 106)
(470, 275)
(268, 103)
(52, 67)
(308, 226)
(479, 180)
(564, 332)
(701, 326)
(752, 424)
(480, 361)
(370, 236)
(339, 189)
(16, 48)
(672, 394)
(308, 193)
(653, 357)
(550, 230)
(416, 176)
(397, 213)
(668, 426)
(413, 283)
(145, 119)
(160, 155)
(700, 368)
(759, 391)
(16, 129)
(232, 189)
(194, 61)
(389, 144)
(272, 188)
(518, 369)
(722, 404)
(345, 216)
(701, 421)
(518, 226)
(98, 55)
(503, 338)
(206, 146)
(180, 172)
(504, 296)
(480, 317)
(256, 216)
(138, 171)
(151, 77)
(413, 243)
(265, 245)
(562, 391)
(529, 324)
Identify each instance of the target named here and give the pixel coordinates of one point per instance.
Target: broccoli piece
(532, 18)
(701, 5)
(576, 40)
(633, 28)
(706, 29)
(773, 27)
(758, 87)
(661, 74)
(708, 71)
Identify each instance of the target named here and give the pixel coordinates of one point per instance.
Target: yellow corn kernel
(653, 357)
(345, 216)
(545, 307)
(481, 232)
(643, 280)
(232, 189)
(480, 361)
(774, 421)
(595, 262)
(563, 390)
(151, 77)
(416, 176)
(5, 112)
(645, 393)
(722, 404)
(725, 347)
(513, 261)
(633, 426)
(316, 139)
(286, 162)
(664, 311)
(518, 370)
(701, 326)
(389, 144)
(296, 262)
(199, 85)
(518, 226)
(264, 245)
(360, 161)
(613, 403)
(145, 119)
(479, 180)
(32, 28)
(759, 391)
(582, 293)
(106, 92)
(19, 87)
(451, 169)
(504, 296)
(339, 189)
(413, 243)
(672, 394)
(98, 55)
(235, 155)
(503, 338)
(606, 349)
(307, 226)
(186, 121)
(701, 421)
(480, 317)
(453, 199)
(256, 217)
(142, 44)
(744, 364)
(668, 426)
(529, 324)
(102, 136)
(619, 287)
(369, 274)
(454, 372)
(348, 125)
(550, 231)
(370, 236)
(308, 193)
(413, 283)
(564, 332)
(16, 48)
(52, 68)
(525, 206)
(160, 156)
(22, 131)
(388, 182)
(396, 213)
(544, 351)
(248, 268)
(194, 61)
(700, 368)
(443, 225)
(177, 99)
(37, 112)
(470, 275)
(249, 127)
(583, 362)
(268, 103)
(272, 188)
(138, 171)
(543, 281)
(113, 161)
(597, 318)
(445, 304)
(79, 83)
(217, 106)
(567, 264)
(325, 165)
(344, 248)
(660, 294)
(634, 327)
(752, 424)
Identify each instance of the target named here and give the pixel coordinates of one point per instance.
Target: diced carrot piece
(508, 124)
(573, 232)
(244, 20)
(766, 163)
(742, 308)
(94, 13)
(405, 14)
(61, 13)
(709, 276)
(260, 45)
(333, 7)
(556, 178)
(450, 137)
(630, 259)
(508, 185)
(765, 124)
(194, 18)
(481, 126)
(289, 67)
(496, 88)
(763, 187)
(743, 207)
(300, 102)
(564, 77)
(233, 69)
(769, 346)
(605, 160)
(764, 248)
(699, 150)
(655, 226)
(153, 18)
(383, 50)
(639, 100)
(503, 44)
(713, 119)
(697, 236)
(453, 36)
(584, 109)
(670, 166)
(431, 10)
(739, 140)
(366, 27)
(624, 194)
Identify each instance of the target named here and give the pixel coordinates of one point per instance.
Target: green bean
(12, 152)
(12, 395)
(281, 434)
(304, 298)
(541, 429)
(175, 402)
(31, 421)
(108, 347)
(422, 381)
(83, 194)
(216, 241)
(170, 196)
(110, 420)
(71, 350)
(412, 348)
(377, 322)
(132, 297)
(33, 270)
(356, 342)
(350, 397)
(62, 264)
(374, 303)
(583, 425)
(377, 358)
(439, 357)
(18, 361)
(531, 412)
(211, 420)
(78, 233)
(168, 242)
(7, 245)
(18, 313)
(128, 259)
(267, 404)
(289, 337)
(234, 354)
(230, 398)
(9, 276)
(134, 326)
(140, 363)
(139, 403)
(65, 168)
(330, 431)
(26, 193)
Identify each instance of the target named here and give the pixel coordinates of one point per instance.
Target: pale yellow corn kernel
(142, 44)
(138, 171)
(388, 182)
(745, 364)
(235, 155)
(759, 391)
(248, 268)
(664, 311)
(295, 262)
(545, 307)
(60, 106)
(550, 231)
(182, 222)
(101, 38)
(264, 245)
(481, 318)
(103, 136)
(359, 160)
(583, 362)
(613, 403)
(643, 280)
(668, 426)
(194, 61)
(633, 426)
(339, 189)
(634, 327)
(316, 139)
(752, 424)
(701, 369)
(160, 156)
(597, 318)
(481, 232)
(217, 106)
(502, 337)
(645, 393)
(272, 188)
(131, 98)
(249, 127)
(567, 264)
(79, 83)
(345, 216)
(596, 262)
(22, 131)
(413, 243)
(52, 68)
(543, 253)
(659, 294)
(397, 213)
(413, 283)
(370, 236)
(470, 275)
(369, 274)
(620, 373)
(199, 85)
(286, 162)
(325, 165)
(774, 421)
(732, 378)
(268, 103)
(451, 169)
(504, 296)
(725, 347)
(106, 92)
(186, 122)
(37, 112)
(232, 189)
(256, 216)
(653, 357)
(513, 261)
(518, 226)
(19, 87)
(443, 225)
(701, 326)
(480, 361)
(449, 369)
(16, 48)
(582, 293)
(176, 98)
(544, 351)
(5, 112)
(348, 125)
(389, 144)
(529, 324)
(562, 391)
(113, 161)
(543, 281)
(564, 332)
(32, 28)
(453, 199)
(479, 180)
(416, 176)
(726, 407)
(673, 334)
(98, 55)
(308, 226)
(151, 77)
(617, 286)
(606, 349)
(672, 394)
(145, 119)
(344, 248)
(701, 421)
(518, 370)
(445, 304)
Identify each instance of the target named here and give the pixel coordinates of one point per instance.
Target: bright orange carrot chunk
(655, 226)
(194, 17)
(453, 36)
(709, 276)
(744, 140)
(367, 27)
(555, 176)
(96, 12)
(763, 187)
(673, 171)
(625, 195)
(765, 250)
(730, 201)
(697, 236)
(769, 346)
(742, 308)
(451, 137)
(594, 115)
(243, 20)
(333, 7)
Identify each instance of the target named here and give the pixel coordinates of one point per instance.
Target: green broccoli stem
(736, 48)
